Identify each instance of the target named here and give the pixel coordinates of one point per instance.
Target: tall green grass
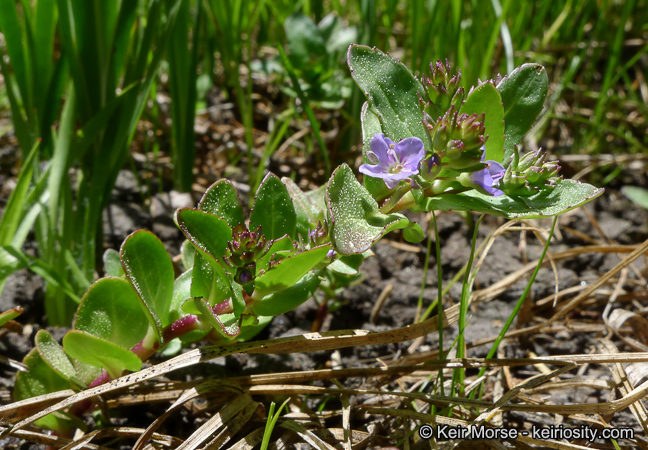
(231, 27)
(112, 51)
(183, 56)
(85, 68)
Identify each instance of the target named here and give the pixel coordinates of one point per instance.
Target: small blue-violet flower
(393, 162)
(486, 179)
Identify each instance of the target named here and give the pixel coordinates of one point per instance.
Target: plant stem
(395, 199)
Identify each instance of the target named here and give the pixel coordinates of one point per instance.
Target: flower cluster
(456, 158)
(526, 175)
(244, 249)
(443, 90)
(406, 160)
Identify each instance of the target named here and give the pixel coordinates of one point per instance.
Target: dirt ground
(397, 269)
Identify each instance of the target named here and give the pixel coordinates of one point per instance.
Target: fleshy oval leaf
(112, 263)
(206, 231)
(288, 299)
(288, 271)
(222, 200)
(392, 91)
(305, 211)
(283, 245)
(187, 252)
(54, 355)
(112, 310)
(181, 292)
(486, 99)
(41, 379)
(523, 94)
(209, 280)
(227, 324)
(98, 352)
(273, 209)
(149, 269)
(354, 218)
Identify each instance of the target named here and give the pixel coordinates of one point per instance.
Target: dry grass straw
(388, 402)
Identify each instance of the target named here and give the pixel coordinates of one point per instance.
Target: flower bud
(245, 277)
(458, 98)
(440, 137)
(245, 246)
(319, 236)
(429, 168)
(442, 88)
(526, 174)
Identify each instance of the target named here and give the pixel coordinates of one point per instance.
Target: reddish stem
(180, 327)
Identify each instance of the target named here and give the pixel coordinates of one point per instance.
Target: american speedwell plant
(429, 145)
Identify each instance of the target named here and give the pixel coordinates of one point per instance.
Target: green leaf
(86, 373)
(40, 380)
(273, 209)
(307, 214)
(413, 233)
(54, 355)
(222, 200)
(172, 348)
(355, 220)
(150, 271)
(10, 314)
(98, 352)
(289, 271)
(112, 263)
(288, 299)
(349, 264)
(637, 195)
(17, 259)
(486, 99)
(238, 301)
(392, 92)
(281, 246)
(318, 199)
(11, 216)
(228, 324)
(10, 26)
(523, 93)
(209, 280)
(210, 235)
(112, 310)
(569, 194)
(371, 126)
(187, 252)
(304, 39)
(208, 232)
(181, 292)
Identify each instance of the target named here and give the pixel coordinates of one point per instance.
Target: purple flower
(487, 178)
(393, 162)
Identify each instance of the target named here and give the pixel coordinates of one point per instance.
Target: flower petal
(410, 152)
(381, 145)
(484, 180)
(391, 179)
(377, 170)
(496, 170)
